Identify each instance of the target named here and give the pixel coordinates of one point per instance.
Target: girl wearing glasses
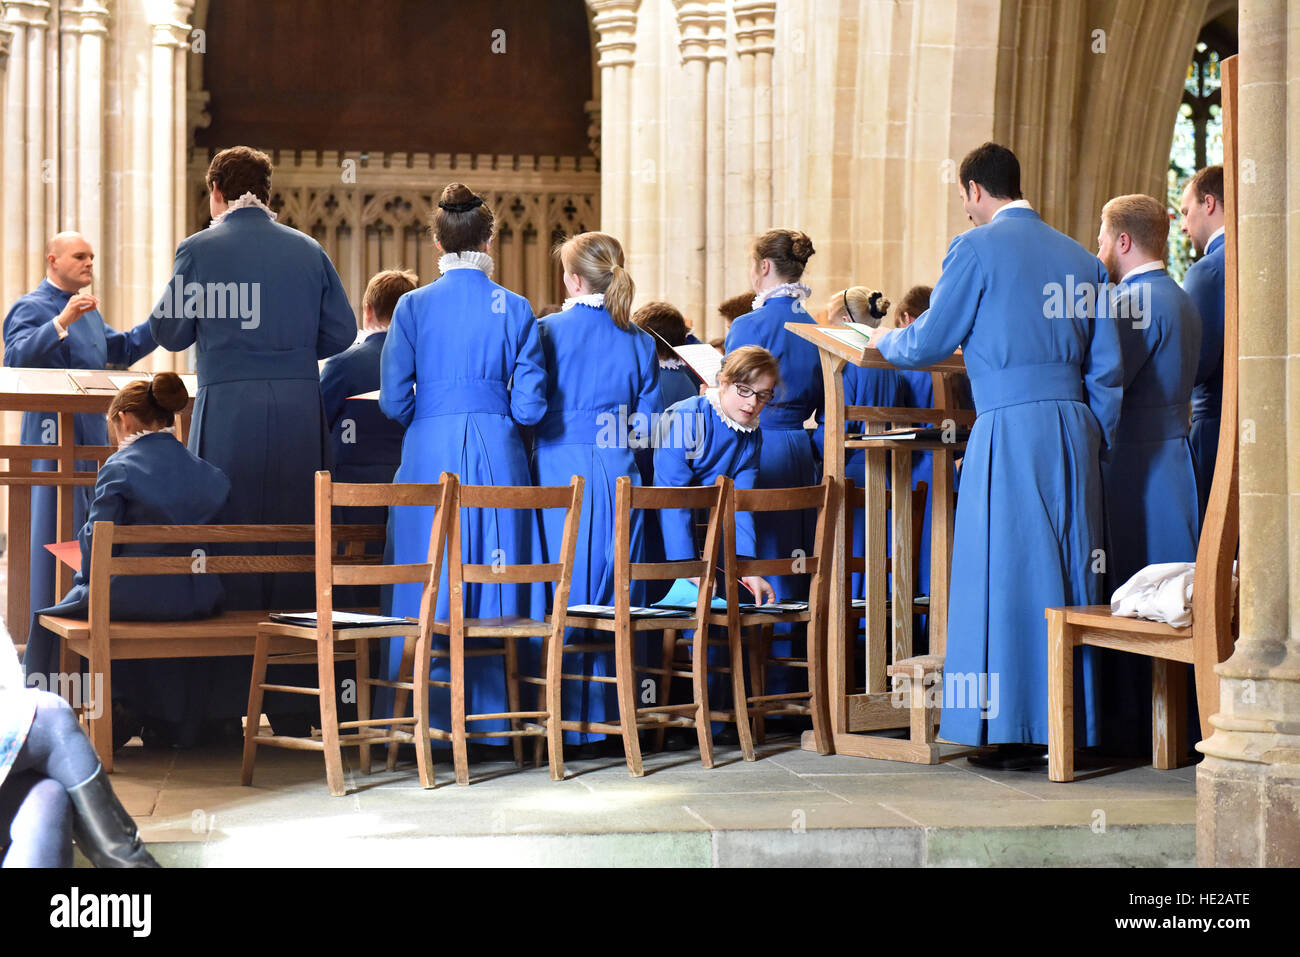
(716, 434)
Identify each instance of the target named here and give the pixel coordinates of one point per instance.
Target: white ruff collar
(128, 440)
(671, 363)
(244, 202)
(596, 299)
(469, 259)
(796, 289)
(715, 400)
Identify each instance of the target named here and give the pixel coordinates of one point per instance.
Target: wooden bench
(100, 640)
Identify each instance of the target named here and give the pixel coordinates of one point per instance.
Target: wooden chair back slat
(763, 567)
(778, 499)
(656, 497)
(514, 497)
(356, 495)
(379, 574)
(511, 574)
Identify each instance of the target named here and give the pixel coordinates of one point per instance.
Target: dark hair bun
(801, 247)
(456, 193)
(169, 391)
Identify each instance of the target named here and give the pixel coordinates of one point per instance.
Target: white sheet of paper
(703, 358)
(122, 380)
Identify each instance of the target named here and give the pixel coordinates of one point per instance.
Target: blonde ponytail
(598, 259)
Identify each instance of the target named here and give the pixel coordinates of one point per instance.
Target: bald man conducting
(59, 327)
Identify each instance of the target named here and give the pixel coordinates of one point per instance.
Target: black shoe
(1011, 757)
(222, 732)
(679, 739)
(290, 724)
(728, 735)
(103, 830)
(125, 725)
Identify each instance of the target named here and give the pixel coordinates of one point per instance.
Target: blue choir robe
(1047, 383)
(675, 384)
(1150, 479)
(602, 399)
(262, 303)
(366, 446)
(1204, 282)
(693, 446)
(153, 481)
(31, 342)
(789, 454)
(462, 369)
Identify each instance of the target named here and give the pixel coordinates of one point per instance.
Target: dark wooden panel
(399, 75)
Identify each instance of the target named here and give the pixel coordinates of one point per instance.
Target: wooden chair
(1209, 639)
(349, 567)
(101, 640)
(624, 627)
(543, 722)
(757, 626)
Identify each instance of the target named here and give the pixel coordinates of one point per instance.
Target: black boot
(102, 828)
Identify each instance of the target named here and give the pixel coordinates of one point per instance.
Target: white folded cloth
(1158, 593)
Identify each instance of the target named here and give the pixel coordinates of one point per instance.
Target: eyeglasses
(746, 392)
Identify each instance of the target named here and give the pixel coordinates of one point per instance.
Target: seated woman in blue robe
(462, 369)
(1150, 476)
(602, 397)
(716, 434)
(152, 479)
(669, 328)
(789, 456)
(58, 327)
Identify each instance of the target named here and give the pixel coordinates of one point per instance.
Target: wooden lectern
(854, 713)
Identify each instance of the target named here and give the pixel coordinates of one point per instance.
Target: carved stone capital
(615, 24)
(756, 26)
(692, 28)
(6, 42)
(170, 22)
(27, 13)
(86, 18)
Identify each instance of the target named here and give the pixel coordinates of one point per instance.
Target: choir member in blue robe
(58, 327)
(1150, 480)
(366, 444)
(603, 397)
(261, 303)
(715, 434)
(1019, 298)
(789, 455)
(152, 479)
(1202, 209)
(462, 369)
(669, 328)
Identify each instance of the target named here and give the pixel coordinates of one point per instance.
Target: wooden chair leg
(760, 648)
(459, 743)
(668, 655)
(1207, 695)
(1168, 713)
(361, 647)
(420, 699)
(736, 651)
(329, 717)
(399, 695)
(254, 718)
(625, 682)
(512, 697)
(554, 657)
(99, 715)
(700, 682)
(818, 703)
(1060, 697)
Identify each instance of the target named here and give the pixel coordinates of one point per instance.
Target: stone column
(762, 44)
(1248, 786)
(708, 324)
(83, 28)
(690, 157)
(28, 169)
(169, 130)
(615, 25)
(740, 143)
